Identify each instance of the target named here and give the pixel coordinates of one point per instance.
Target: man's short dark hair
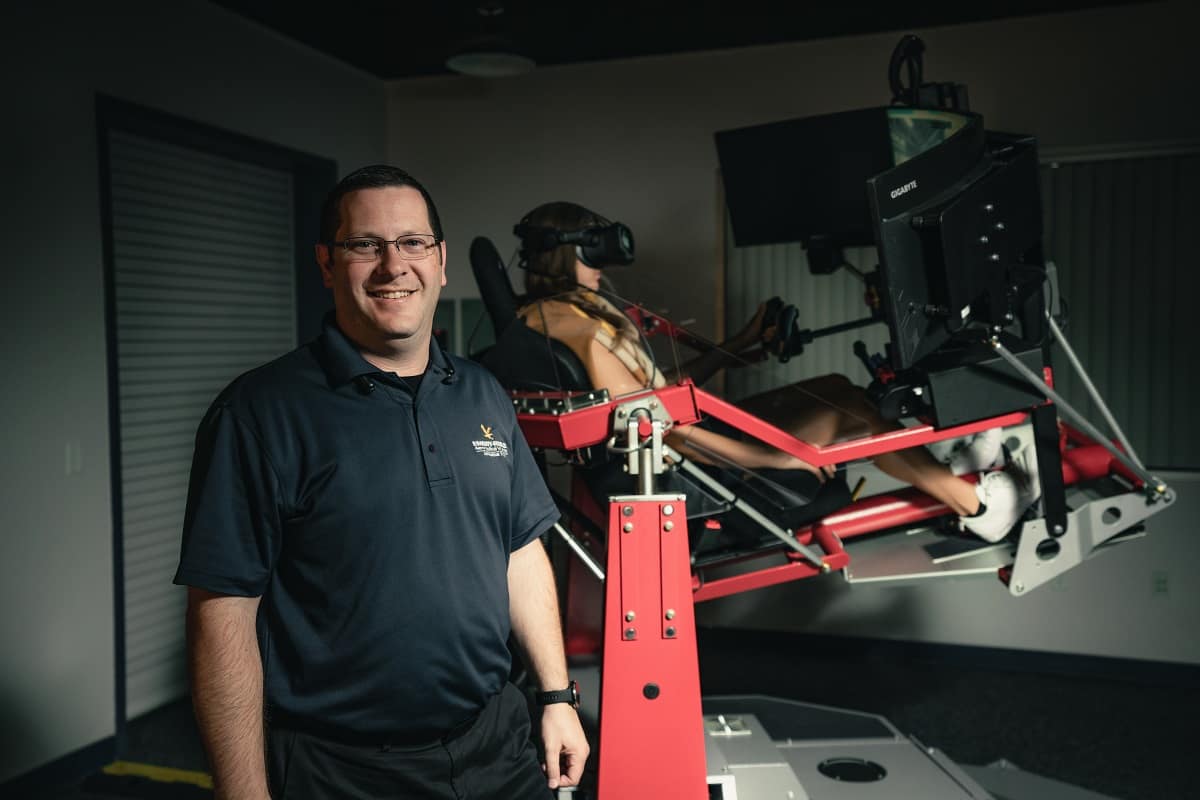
(375, 176)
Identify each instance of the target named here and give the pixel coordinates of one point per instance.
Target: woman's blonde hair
(550, 272)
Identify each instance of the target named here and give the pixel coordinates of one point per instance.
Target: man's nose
(391, 262)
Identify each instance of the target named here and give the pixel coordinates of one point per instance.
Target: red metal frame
(651, 736)
(686, 403)
(1082, 459)
(842, 451)
(651, 731)
(590, 426)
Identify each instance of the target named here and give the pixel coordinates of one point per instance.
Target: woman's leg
(824, 410)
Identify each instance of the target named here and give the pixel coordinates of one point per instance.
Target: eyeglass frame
(344, 245)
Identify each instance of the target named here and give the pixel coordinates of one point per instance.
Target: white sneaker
(976, 452)
(1004, 503)
(1024, 467)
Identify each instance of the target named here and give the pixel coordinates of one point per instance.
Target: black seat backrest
(524, 360)
(494, 286)
(521, 359)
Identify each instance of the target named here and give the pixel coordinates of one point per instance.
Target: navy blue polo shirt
(375, 524)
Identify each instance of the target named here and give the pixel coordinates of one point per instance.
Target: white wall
(633, 140)
(192, 59)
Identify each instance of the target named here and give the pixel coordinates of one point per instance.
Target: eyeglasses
(413, 246)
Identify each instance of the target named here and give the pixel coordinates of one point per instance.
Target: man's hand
(566, 746)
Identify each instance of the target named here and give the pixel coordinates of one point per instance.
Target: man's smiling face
(384, 305)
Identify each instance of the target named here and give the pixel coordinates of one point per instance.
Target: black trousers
(491, 759)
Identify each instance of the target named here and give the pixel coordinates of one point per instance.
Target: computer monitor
(958, 231)
(800, 179)
(953, 209)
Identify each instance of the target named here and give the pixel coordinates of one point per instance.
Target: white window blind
(204, 289)
(754, 274)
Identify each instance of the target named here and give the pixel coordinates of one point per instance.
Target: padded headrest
(495, 289)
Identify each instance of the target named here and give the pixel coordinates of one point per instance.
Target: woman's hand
(753, 333)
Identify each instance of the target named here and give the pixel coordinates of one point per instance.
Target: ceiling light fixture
(498, 63)
(490, 54)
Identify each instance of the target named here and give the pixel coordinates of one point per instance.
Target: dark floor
(1134, 739)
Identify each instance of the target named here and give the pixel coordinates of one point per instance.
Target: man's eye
(364, 245)
(413, 244)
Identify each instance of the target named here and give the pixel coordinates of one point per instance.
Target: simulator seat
(721, 510)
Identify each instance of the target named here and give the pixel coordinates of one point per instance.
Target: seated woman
(563, 302)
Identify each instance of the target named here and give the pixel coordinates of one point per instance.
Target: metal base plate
(801, 751)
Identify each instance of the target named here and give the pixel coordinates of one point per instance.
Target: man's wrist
(568, 695)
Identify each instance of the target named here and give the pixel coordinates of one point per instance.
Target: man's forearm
(227, 692)
(533, 606)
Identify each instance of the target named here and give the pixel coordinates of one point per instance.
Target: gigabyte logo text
(908, 187)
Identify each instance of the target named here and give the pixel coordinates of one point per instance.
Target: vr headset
(599, 246)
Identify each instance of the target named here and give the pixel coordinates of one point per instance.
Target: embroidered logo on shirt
(489, 445)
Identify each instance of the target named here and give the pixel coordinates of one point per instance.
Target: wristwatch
(567, 695)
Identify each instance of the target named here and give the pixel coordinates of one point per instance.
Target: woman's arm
(606, 371)
(708, 447)
(730, 353)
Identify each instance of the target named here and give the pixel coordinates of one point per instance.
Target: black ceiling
(406, 39)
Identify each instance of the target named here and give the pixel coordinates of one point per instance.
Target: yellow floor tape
(160, 774)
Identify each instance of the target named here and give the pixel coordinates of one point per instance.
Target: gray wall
(188, 58)
(633, 140)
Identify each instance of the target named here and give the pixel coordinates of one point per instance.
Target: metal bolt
(989, 208)
(627, 527)
(654, 404)
(629, 615)
(1018, 587)
(627, 511)
(668, 525)
(670, 632)
(622, 413)
(983, 240)
(1058, 529)
(631, 633)
(999, 226)
(670, 613)
(994, 257)
(668, 510)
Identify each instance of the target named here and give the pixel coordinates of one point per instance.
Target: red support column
(651, 723)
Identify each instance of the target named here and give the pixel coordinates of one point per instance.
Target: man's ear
(324, 258)
(442, 255)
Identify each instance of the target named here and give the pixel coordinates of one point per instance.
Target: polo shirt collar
(343, 363)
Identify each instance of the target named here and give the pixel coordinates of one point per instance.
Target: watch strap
(567, 695)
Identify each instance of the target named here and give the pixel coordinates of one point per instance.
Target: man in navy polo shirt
(361, 537)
